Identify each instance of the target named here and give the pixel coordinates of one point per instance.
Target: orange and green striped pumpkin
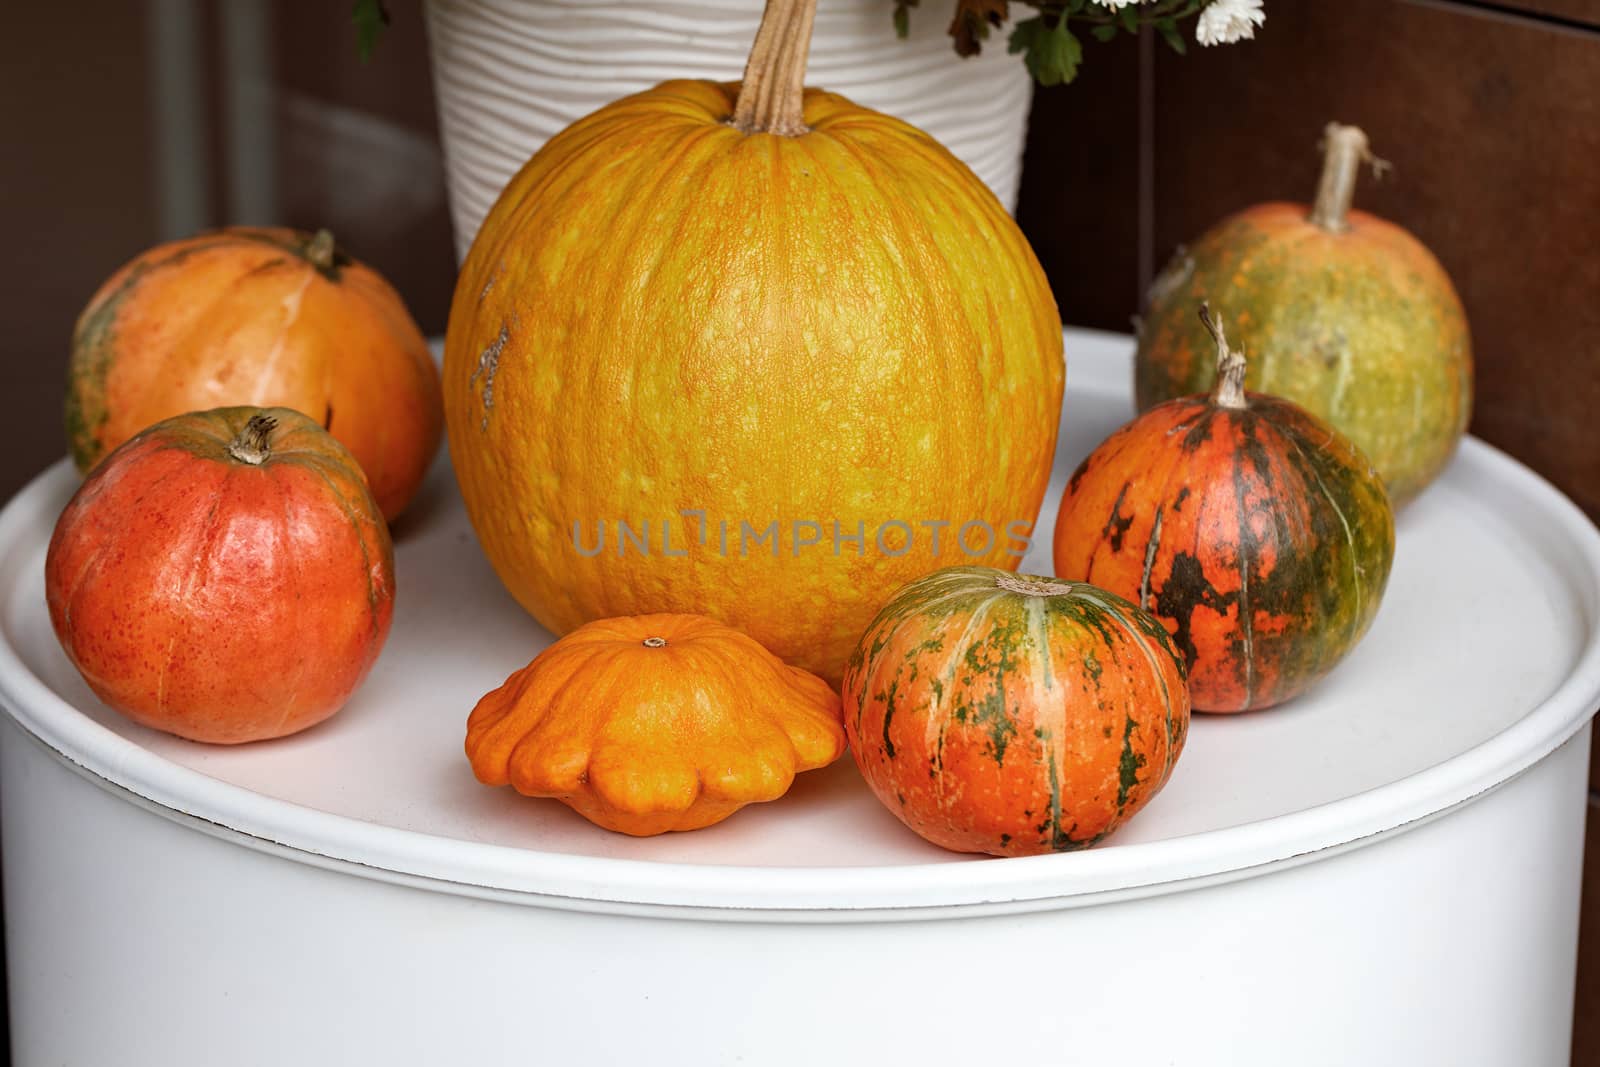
(1257, 533)
(1012, 714)
(1344, 313)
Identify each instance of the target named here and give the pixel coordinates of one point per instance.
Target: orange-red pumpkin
(224, 576)
(752, 352)
(1011, 714)
(1345, 314)
(1257, 533)
(653, 723)
(262, 317)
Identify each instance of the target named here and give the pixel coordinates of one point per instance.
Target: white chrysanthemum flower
(1114, 4)
(1226, 21)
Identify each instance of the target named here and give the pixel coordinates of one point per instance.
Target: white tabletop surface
(1483, 658)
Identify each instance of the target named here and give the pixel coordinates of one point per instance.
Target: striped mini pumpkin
(1258, 534)
(1014, 715)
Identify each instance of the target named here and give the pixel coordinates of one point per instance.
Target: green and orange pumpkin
(261, 317)
(1012, 714)
(1345, 314)
(1254, 530)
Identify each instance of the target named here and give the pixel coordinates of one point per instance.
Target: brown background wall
(1490, 113)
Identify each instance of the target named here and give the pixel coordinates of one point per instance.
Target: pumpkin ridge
(1135, 638)
(149, 447)
(962, 645)
(291, 303)
(1349, 534)
(804, 707)
(505, 718)
(368, 295)
(285, 525)
(1245, 554)
(1187, 587)
(548, 724)
(1281, 596)
(762, 775)
(584, 135)
(374, 594)
(145, 386)
(206, 535)
(85, 409)
(697, 153)
(919, 228)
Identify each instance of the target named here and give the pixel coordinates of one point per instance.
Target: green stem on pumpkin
(771, 97)
(1344, 149)
(1229, 392)
(253, 444)
(320, 250)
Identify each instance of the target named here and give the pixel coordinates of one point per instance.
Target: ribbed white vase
(509, 74)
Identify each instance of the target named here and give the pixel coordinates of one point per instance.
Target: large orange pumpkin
(752, 352)
(224, 576)
(655, 723)
(1343, 313)
(264, 317)
(1013, 714)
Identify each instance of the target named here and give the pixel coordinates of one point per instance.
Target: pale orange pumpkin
(770, 345)
(655, 723)
(262, 317)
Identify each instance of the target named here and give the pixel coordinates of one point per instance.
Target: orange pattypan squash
(654, 723)
(769, 353)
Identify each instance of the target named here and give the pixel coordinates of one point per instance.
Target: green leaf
(1021, 38)
(1105, 33)
(902, 20)
(1129, 17)
(1052, 54)
(1169, 33)
(371, 19)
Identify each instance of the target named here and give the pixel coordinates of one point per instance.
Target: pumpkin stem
(771, 97)
(252, 444)
(1229, 392)
(320, 250)
(655, 642)
(1028, 585)
(1344, 149)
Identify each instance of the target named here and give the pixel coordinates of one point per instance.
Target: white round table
(1384, 871)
